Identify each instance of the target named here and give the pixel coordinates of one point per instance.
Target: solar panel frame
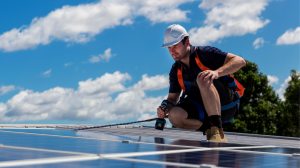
(123, 135)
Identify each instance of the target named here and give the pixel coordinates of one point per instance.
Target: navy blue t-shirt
(211, 57)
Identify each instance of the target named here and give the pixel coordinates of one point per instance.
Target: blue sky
(99, 62)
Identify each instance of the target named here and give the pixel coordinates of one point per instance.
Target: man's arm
(173, 98)
(232, 64)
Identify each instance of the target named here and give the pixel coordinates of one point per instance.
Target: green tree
(292, 108)
(259, 107)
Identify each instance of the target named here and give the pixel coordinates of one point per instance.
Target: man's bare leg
(212, 105)
(178, 117)
(210, 97)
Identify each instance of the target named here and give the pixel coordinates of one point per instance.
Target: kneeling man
(211, 95)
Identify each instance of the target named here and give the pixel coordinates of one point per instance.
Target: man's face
(178, 51)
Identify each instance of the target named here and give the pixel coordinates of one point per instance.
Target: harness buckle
(237, 94)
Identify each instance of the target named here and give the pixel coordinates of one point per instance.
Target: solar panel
(136, 147)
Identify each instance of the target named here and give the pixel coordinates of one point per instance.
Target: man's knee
(202, 83)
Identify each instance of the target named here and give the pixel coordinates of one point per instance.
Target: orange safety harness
(230, 80)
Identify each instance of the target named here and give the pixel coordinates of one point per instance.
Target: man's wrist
(219, 73)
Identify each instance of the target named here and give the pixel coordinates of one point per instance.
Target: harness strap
(200, 109)
(240, 89)
(228, 106)
(199, 63)
(180, 78)
(188, 85)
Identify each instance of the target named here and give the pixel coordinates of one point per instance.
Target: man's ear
(187, 42)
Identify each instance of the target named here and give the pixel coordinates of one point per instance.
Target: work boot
(217, 134)
(208, 134)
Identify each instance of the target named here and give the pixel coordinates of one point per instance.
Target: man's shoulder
(204, 48)
(175, 65)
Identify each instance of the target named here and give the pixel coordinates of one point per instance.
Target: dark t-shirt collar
(192, 57)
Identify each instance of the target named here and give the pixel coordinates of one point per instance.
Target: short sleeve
(174, 84)
(212, 57)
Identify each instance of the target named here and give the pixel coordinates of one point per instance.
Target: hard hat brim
(170, 44)
(175, 42)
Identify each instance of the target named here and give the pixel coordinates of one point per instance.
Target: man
(210, 98)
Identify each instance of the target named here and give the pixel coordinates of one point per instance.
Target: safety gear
(217, 134)
(173, 35)
(230, 80)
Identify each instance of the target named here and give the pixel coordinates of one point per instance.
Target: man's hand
(160, 113)
(208, 75)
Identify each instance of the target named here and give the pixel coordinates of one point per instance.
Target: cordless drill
(160, 123)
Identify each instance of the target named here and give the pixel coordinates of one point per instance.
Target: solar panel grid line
(244, 142)
(152, 134)
(256, 152)
(138, 153)
(100, 139)
(228, 148)
(152, 131)
(158, 136)
(248, 136)
(232, 149)
(28, 162)
(166, 163)
(91, 157)
(131, 154)
(240, 137)
(57, 160)
(268, 141)
(44, 150)
(263, 136)
(291, 145)
(61, 136)
(288, 144)
(209, 157)
(80, 138)
(155, 135)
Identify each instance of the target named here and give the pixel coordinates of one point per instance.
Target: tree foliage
(292, 108)
(259, 107)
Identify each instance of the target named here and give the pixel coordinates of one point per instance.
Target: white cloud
(147, 116)
(80, 23)
(228, 18)
(105, 85)
(272, 79)
(68, 64)
(92, 100)
(94, 59)
(106, 56)
(47, 73)
(259, 42)
(6, 89)
(282, 88)
(157, 82)
(289, 37)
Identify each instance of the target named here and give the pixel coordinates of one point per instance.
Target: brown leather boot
(208, 134)
(217, 134)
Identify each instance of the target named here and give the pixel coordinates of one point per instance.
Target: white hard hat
(174, 34)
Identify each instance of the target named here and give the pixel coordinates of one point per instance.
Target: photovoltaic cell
(276, 150)
(96, 163)
(228, 159)
(75, 145)
(212, 157)
(16, 154)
